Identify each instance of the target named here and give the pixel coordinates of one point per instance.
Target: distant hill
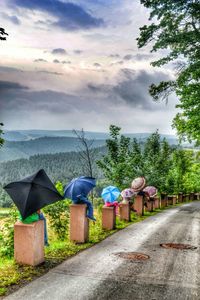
(25, 135)
(43, 145)
(25, 143)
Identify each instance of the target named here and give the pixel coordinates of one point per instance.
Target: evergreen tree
(116, 162)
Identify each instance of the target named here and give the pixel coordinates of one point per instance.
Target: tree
(177, 29)
(86, 152)
(156, 161)
(126, 160)
(115, 164)
(136, 164)
(181, 164)
(3, 34)
(1, 132)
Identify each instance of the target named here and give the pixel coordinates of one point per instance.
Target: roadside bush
(58, 214)
(7, 234)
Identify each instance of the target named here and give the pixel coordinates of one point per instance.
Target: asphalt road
(98, 273)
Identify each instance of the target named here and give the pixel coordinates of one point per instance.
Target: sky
(76, 64)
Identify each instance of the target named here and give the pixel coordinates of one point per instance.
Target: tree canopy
(126, 159)
(175, 26)
(3, 34)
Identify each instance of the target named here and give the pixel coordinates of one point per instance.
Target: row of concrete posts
(29, 238)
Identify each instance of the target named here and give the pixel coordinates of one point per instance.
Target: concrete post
(150, 205)
(139, 205)
(164, 201)
(174, 199)
(170, 200)
(29, 243)
(180, 197)
(108, 218)
(187, 197)
(125, 212)
(191, 196)
(79, 223)
(156, 202)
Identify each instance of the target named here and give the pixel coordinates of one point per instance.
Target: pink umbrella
(151, 191)
(127, 193)
(138, 184)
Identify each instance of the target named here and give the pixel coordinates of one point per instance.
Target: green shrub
(7, 234)
(58, 214)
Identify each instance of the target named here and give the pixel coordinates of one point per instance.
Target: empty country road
(99, 273)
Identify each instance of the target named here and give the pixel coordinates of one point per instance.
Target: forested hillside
(59, 166)
(24, 149)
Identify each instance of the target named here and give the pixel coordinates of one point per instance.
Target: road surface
(98, 273)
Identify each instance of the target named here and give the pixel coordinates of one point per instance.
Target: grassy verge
(13, 276)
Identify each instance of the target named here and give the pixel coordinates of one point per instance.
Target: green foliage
(58, 215)
(180, 166)
(126, 160)
(191, 180)
(175, 25)
(156, 161)
(7, 234)
(114, 165)
(5, 200)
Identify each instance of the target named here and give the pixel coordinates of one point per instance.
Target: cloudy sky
(75, 64)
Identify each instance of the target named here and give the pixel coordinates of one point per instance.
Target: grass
(13, 275)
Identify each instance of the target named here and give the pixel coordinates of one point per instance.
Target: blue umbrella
(110, 193)
(81, 185)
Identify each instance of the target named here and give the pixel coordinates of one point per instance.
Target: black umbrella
(33, 193)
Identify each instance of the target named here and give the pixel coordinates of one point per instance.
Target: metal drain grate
(134, 256)
(178, 246)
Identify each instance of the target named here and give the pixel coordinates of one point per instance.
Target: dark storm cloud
(114, 55)
(78, 51)
(94, 88)
(70, 16)
(40, 60)
(8, 85)
(128, 57)
(132, 88)
(121, 62)
(105, 89)
(9, 69)
(16, 99)
(68, 62)
(97, 65)
(143, 56)
(56, 61)
(13, 19)
(59, 51)
(48, 72)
